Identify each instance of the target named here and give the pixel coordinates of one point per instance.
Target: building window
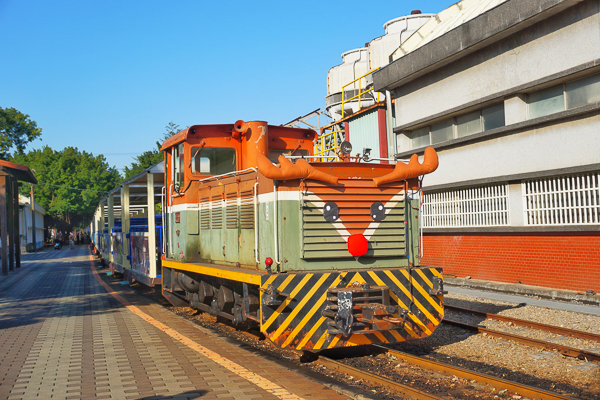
(566, 200)
(442, 131)
(472, 207)
(468, 124)
(420, 138)
(460, 126)
(564, 96)
(583, 91)
(546, 102)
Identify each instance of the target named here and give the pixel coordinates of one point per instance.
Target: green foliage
(71, 182)
(143, 161)
(170, 130)
(150, 157)
(16, 130)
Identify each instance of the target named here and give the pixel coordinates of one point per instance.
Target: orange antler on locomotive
(289, 170)
(414, 169)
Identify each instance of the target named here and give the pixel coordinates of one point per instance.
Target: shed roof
(18, 171)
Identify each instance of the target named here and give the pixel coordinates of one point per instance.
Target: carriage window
(207, 161)
(275, 153)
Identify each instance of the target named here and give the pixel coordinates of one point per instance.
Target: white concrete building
(508, 93)
(26, 224)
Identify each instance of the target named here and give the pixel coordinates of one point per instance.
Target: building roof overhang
(17, 171)
(138, 185)
(495, 24)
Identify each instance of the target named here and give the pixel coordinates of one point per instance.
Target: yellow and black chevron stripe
(297, 321)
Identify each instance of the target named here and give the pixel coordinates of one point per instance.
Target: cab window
(275, 153)
(213, 161)
(177, 167)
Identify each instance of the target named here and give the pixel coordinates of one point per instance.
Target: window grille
(471, 207)
(563, 200)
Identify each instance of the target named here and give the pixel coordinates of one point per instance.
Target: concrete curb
(525, 290)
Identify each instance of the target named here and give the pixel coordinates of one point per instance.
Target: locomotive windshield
(213, 161)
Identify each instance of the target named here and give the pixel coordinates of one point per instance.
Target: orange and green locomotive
(315, 254)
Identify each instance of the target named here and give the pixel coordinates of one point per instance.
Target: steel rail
(498, 383)
(530, 324)
(565, 350)
(358, 373)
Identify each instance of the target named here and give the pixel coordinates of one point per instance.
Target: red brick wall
(559, 261)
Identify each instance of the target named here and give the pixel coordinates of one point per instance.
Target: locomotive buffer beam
(438, 287)
(273, 297)
(361, 309)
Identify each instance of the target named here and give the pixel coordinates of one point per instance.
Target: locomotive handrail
(275, 233)
(164, 213)
(256, 222)
(370, 158)
(234, 173)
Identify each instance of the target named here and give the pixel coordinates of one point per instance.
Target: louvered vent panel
(247, 209)
(231, 210)
(323, 239)
(205, 213)
(216, 212)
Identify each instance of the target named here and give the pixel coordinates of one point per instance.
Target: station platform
(67, 334)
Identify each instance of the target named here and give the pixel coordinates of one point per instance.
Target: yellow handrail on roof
(328, 144)
(360, 92)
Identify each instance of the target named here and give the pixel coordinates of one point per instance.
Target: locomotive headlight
(268, 261)
(346, 147)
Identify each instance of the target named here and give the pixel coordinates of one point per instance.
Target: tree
(16, 130)
(150, 157)
(70, 182)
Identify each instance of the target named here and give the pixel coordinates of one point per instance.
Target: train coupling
(438, 287)
(361, 308)
(272, 296)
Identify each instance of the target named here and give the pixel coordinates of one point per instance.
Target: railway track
(498, 383)
(551, 346)
(450, 370)
(376, 381)
(379, 380)
(530, 324)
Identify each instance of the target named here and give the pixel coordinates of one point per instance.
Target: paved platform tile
(63, 336)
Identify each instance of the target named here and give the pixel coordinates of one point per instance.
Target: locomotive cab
(315, 254)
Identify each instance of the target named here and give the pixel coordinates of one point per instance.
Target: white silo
(358, 62)
(355, 63)
(397, 31)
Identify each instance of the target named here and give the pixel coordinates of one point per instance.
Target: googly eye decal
(331, 212)
(377, 211)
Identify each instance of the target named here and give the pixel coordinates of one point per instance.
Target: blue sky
(107, 76)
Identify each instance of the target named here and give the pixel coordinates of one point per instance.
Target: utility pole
(33, 219)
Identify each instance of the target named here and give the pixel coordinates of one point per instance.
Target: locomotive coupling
(273, 297)
(361, 308)
(438, 287)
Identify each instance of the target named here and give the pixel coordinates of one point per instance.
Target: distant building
(26, 225)
(508, 93)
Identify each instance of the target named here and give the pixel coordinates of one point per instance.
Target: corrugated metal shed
(364, 133)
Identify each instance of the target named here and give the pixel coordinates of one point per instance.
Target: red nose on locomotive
(315, 254)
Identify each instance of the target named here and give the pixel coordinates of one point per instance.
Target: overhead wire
(72, 188)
